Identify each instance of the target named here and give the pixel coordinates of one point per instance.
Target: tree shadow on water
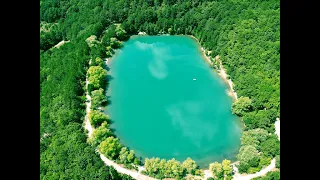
(108, 101)
(106, 67)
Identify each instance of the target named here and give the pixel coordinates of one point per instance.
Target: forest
(245, 34)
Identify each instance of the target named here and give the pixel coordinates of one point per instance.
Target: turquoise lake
(159, 110)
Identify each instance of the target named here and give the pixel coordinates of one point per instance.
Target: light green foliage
(98, 98)
(254, 137)
(152, 165)
(227, 168)
(126, 157)
(252, 170)
(173, 167)
(264, 161)
(278, 161)
(92, 40)
(115, 43)
(190, 166)
(242, 105)
(100, 134)
(123, 155)
(193, 177)
(97, 117)
(97, 76)
(199, 172)
(110, 147)
(99, 62)
(248, 157)
(216, 170)
(163, 169)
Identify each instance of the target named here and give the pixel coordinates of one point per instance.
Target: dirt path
(44, 136)
(88, 126)
(263, 171)
(60, 43)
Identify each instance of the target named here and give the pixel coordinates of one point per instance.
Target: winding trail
(60, 43)
(262, 172)
(238, 176)
(119, 168)
(44, 136)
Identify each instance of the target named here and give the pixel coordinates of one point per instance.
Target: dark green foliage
(68, 149)
(271, 147)
(272, 175)
(260, 119)
(50, 37)
(248, 157)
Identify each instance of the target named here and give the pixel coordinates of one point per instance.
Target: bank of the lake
(167, 102)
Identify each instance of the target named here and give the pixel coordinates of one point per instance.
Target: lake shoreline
(222, 72)
(207, 58)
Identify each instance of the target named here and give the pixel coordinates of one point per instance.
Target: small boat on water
(194, 79)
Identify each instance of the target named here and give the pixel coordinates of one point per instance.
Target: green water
(160, 111)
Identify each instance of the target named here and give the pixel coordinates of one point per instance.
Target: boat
(194, 79)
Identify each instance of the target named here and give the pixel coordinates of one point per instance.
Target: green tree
(132, 158)
(98, 62)
(216, 170)
(110, 147)
(189, 166)
(227, 168)
(115, 43)
(254, 137)
(271, 146)
(97, 117)
(123, 155)
(173, 168)
(152, 166)
(248, 157)
(98, 99)
(242, 105)
(100, 134)
(121, 34)
(97, 76)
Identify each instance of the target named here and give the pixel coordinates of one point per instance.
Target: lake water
(167, 102)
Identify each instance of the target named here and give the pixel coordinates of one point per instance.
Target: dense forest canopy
(245, 35)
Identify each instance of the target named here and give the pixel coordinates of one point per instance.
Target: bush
(110, 147)
(271, 147)
(242, 105)
(96, 118)
(100, 134)
(98, 99)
